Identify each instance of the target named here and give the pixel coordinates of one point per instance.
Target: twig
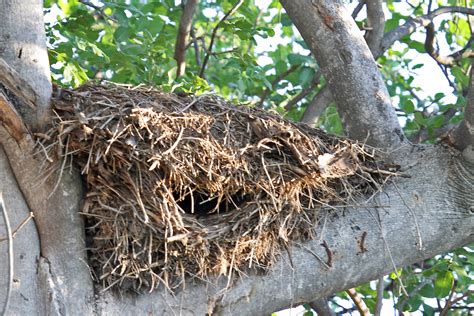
(358, 302)
(185, 24)
(303, 93)
(213, 36)
(16, 230)
(98, 10)
(275, 81)
(10, 255)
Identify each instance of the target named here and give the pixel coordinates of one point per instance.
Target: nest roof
(181, 185)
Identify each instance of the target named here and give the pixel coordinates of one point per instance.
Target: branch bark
(185, 24)
(346, 61)
(19, 47)
(376, 24)
(420, 21)
(450, 60)
(464, 135)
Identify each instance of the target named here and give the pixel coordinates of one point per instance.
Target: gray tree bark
(414, 218)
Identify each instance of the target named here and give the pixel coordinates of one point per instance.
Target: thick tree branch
(376, 24)
(445, 222)
(412, 24)
(185, 24)
(354, 80)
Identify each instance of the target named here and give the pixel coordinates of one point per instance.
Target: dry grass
(185, 186)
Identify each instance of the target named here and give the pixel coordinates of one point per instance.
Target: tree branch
(352, 74)
(321, 307)
(303, 93)
(317, 106)
(411, 25)
(376, 24)
(358, 8)
(450, 60)
(234, 8)
(463, 136)
(358, 302)
(185, 24)
(275, 81)
(379, 301)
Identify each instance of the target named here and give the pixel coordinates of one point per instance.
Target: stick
(10, 255)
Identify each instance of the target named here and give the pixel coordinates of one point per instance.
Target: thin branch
(433, 51)
(22, 224)
(185, 24)
(10, 255)
(410, 26)
(303, 93)
(357, 9)
(98, 10)
(376, 23)
(275, 81)
(317, 106)
(358, 302)
(423, 134)
(234, 8)
(379, 302)
(196, 47)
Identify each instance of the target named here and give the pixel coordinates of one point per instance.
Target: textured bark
(347, 63)
(24, 50)
(60, 283)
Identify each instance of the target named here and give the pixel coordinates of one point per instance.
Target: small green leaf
(443, 284)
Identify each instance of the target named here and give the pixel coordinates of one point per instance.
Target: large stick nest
(185, 186)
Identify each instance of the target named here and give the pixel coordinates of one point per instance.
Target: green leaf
(408, 106)
(428, 310)
(443, 284)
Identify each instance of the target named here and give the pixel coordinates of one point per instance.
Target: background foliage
(259, 58)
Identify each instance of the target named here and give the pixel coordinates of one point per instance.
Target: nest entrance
(202, 204)
(186, 186)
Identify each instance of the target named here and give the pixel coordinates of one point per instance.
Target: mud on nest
(188, 186)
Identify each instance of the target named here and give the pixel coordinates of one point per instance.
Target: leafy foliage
(259, 58)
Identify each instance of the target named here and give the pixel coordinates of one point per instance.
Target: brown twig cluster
(188, 186)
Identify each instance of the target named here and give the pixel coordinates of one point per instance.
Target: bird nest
(181, 186)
